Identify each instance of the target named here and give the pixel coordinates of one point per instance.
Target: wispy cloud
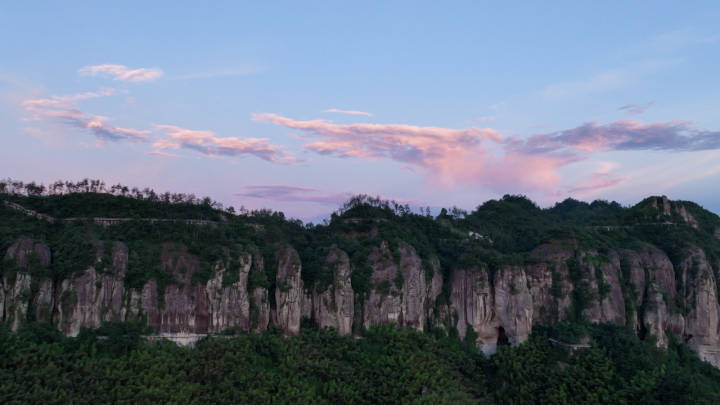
(599, 180)
(287, 193)
(622, 135)
(483, 119)
(122, 72)
(64, 102)
(207, 143)
(407, 143)
(294, 194)
(595, 184)
(161, 154)
(63, 109)
(348, 112)
(636, 109)
(425, 146)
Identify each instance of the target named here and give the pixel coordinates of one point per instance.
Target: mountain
(185, 267)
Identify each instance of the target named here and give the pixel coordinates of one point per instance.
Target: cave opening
(502, 337)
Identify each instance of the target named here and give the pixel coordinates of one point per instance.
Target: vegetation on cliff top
(496, 233)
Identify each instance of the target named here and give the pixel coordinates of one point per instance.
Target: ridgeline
(510, 303)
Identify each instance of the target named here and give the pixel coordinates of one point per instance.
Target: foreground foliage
(388, 365)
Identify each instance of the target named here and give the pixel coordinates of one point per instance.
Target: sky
(296, 106)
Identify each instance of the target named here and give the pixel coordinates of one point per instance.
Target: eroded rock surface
(473, 302)
(404, 290)
(289, 290)
(335, 306)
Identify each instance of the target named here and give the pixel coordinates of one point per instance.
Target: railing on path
(105, 221)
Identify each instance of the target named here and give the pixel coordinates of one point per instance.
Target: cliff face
(639, 287)
(403, 290)
(91, 296)
(289, 294)
(335, 306)
(403, 293)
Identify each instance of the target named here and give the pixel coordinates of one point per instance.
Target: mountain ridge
(491, 274)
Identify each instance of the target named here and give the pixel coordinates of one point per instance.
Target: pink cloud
(63, 102)
(424, 146)
(596, 182)
(208, 144)
(446, 156)
(348, 112)
(122, 73)
(524, 172)
(63, 109)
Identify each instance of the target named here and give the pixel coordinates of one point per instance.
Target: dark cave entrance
(502, 337)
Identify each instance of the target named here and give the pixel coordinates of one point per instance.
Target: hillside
(185, 268)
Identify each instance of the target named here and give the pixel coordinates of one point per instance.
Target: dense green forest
(387, 365)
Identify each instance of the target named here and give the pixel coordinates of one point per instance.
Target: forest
(387, 365)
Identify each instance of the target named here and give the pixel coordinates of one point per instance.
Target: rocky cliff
(499, 306)
(642, 286)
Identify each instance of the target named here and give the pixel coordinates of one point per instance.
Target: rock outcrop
(229, 306)
(513, 304)
(498, 309)
(289, 292)
(335, 306)
(401, 293)
(473, 302)
(667, 208)
(702, 324)
(16, 292)
(88, 299)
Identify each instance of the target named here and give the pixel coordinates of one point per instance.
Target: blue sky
(296, 105)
